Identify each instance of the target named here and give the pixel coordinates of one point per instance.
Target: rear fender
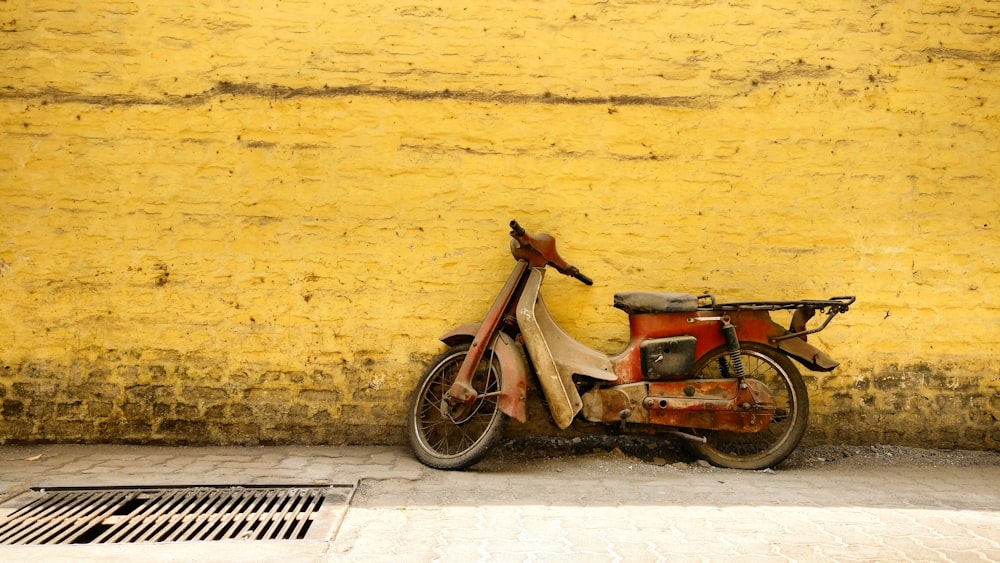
(807, 354)
(513, 368)
(757, 326)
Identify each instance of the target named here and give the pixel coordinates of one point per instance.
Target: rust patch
(719, 404)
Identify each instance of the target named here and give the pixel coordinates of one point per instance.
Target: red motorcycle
(716, 374)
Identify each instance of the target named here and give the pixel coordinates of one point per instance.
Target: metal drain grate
(172, 514)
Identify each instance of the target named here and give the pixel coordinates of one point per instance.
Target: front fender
(513, 368)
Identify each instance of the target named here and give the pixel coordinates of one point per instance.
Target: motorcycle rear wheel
(770, 446)
(455, 437)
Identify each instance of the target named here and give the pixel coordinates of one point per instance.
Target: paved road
(579, 508)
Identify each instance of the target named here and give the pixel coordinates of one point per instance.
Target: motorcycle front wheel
(770, 446)
(445, 436)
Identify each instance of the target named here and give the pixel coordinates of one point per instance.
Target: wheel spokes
(452, 430)
(743, 444)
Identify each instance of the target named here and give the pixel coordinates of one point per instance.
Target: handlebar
(583, 278)
(516, 230)
(540, 250)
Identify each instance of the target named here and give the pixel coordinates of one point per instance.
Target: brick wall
(247, 222)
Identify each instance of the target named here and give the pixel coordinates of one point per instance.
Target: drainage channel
(96, 515)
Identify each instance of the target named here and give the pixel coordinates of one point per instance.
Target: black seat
(640, 302)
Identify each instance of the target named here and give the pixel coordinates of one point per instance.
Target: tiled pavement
(578, 508)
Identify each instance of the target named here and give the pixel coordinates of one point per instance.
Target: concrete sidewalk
(578, 508)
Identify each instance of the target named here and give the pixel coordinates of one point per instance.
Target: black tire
(455, 437)
(770, 446)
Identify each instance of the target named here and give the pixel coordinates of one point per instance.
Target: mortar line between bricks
(278, 92)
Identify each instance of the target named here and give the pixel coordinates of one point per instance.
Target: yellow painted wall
(247, 222)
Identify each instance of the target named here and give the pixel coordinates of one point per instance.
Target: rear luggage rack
(804, 310)
(840, 304)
